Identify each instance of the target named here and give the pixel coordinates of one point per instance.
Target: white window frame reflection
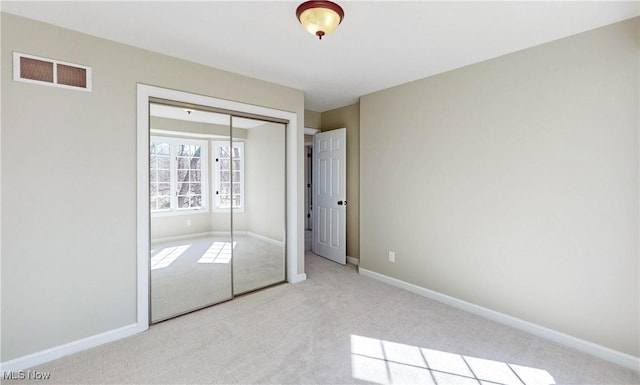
(173, 208)
(216, 161)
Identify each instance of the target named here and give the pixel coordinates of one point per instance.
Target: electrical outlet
(392, 256)
(188, 222)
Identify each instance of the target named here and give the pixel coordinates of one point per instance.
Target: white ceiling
(194, 115)
(378, 45)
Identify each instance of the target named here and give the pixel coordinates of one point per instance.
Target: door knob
(340, 203)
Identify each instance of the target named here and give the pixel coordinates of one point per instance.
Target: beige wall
(513, 184)
(312, 119)
(349, 117)
(265, 181)
(69, 181)
(169, 226)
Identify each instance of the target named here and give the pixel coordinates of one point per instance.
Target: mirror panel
(190, 258)
(259, 213)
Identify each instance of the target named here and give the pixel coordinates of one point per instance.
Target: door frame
(144, 92)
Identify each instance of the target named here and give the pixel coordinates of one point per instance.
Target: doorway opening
(308, 186)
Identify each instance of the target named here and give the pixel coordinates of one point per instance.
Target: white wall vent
(50, 72)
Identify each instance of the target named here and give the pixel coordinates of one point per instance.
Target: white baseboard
(216, 234)
(183, 237)
(353, 261)
(54, 353)
(607, 354)
(299, 278)
(263, 238)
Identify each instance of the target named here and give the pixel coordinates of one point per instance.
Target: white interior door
(330, 193)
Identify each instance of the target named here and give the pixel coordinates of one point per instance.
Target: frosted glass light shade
(320, 18)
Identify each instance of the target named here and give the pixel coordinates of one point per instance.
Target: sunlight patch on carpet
(386, 362)
(167, 256)
(218, 252)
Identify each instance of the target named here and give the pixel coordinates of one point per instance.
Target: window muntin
(178, 175)
(229, 175)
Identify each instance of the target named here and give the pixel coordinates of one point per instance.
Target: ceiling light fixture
(320, 17)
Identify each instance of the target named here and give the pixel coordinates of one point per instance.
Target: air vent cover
(50, 72)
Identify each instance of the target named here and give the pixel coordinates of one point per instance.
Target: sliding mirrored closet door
(191, 246)
(217, 206)
(258, 213)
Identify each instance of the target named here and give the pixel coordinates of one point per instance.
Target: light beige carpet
(337, 327)
(190, 274)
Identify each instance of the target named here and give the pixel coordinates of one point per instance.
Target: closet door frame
(293, 230)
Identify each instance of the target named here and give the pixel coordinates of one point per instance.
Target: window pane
(184, 163)
(162, 148)
(164, 162)
(236, 201)
(183, 182)
(163, 203)
(154, 204)
(183, 202)
(236, 164)
(195, 189)
(236, 153)
(164, 189)
(153, 190)
(195, 176)
(224, 164)
(236, 176)
(183, 188)
(182, 150)
(196, 201)
(236, 188)
(183, 175)
(225, 189)
(153, 176)
(223, 152)
(163, 176)
(189, 150)
(153, 162)
(225, 176)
